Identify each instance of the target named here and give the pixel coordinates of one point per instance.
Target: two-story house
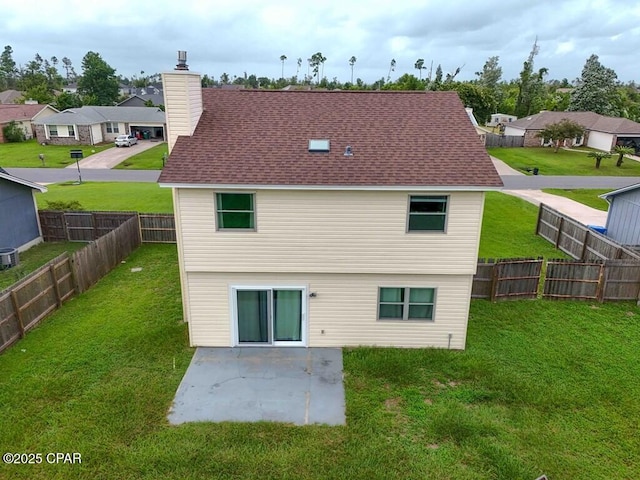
(324, 218)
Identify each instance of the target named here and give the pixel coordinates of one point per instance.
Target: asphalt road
(511, 182)
(56, 175)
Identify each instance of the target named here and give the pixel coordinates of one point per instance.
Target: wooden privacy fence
(577, 240)
(494, 140)
(507, 279)
(27, 302)
(87, 226)
(597, 280)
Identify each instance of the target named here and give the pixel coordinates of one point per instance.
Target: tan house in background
(25, 115)
(601, 132)
(320, 218)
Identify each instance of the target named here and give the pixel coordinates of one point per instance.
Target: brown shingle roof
(19, 112)
(261, 137)
(590, 120)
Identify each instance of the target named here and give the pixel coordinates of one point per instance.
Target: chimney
(182, 93)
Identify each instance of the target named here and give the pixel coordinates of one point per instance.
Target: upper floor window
(235, 211)
(427, 213)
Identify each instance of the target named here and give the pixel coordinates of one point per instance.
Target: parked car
(126, 140)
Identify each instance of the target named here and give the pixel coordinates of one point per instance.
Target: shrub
(65, 206)
(13, 133)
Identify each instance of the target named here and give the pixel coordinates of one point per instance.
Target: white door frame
(233, 311)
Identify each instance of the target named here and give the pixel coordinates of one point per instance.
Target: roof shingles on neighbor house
(397, 139)
(589, 120)
(20, 112)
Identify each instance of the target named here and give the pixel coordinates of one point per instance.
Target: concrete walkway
(576, 210)
(113, 156)
(252, 384)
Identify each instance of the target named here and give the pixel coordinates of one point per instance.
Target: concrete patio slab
(245, 384)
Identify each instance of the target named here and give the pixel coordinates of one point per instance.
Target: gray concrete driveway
(514, 179)
(251, 384)
(113, 156)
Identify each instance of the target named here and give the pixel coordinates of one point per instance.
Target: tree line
(40, 80)
(597, 89)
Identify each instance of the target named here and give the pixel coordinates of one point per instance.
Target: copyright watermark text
(37, 458)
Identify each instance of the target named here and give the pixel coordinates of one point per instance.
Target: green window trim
(406, 303)
(427, 213)
(235, 211)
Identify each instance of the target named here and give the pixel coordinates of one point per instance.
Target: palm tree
(419, 65)
(392, 67)
(352, 62)
(298, 69)
(282, 59)
(621, 150)
(598, 156)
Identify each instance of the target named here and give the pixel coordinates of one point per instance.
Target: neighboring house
(623, 217)
(90, 125)
(9, 97)
(70, 87)
(324, 218)
(156, 100)
(18, 212)
(601, 132)
(25, 116)
(500, 119)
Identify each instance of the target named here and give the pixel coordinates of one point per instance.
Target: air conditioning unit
(8, 258)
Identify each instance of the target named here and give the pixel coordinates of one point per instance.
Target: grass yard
(543, 388)
(564, 162)
(148, 160)
(586, 196)
(25, 154)
(508, 229)
(111, 196)
(34, 258)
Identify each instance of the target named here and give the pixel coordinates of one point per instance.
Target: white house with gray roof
(90, 125)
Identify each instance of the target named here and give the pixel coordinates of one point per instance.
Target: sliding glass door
(270, 316)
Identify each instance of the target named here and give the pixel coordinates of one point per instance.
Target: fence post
(583, 254)
(16, 307)
(560, 225)
(56, 287)
(494, 282)
(601, 283)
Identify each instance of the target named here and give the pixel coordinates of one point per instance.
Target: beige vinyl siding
(183, 111)
(330, 231)
(345, 308)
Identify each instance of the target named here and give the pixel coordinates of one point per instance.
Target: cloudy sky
(250, 36)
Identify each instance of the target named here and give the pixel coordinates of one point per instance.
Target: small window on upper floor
(235, 211)
(427, 213)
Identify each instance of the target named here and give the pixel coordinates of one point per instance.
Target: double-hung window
(427, 213)
(71, 130)
(112, 127)
(235, 211)
(53, 130)
(406, 303)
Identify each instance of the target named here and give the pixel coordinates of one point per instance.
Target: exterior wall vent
(319, 145)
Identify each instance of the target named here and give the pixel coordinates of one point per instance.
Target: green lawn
(34, 258)
(586, 196)
(537, 391)
(148, 160)
(508, 229)
(111, 196)
(25, 154)
(564, 162)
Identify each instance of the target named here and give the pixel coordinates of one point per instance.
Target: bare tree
(392, 67)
